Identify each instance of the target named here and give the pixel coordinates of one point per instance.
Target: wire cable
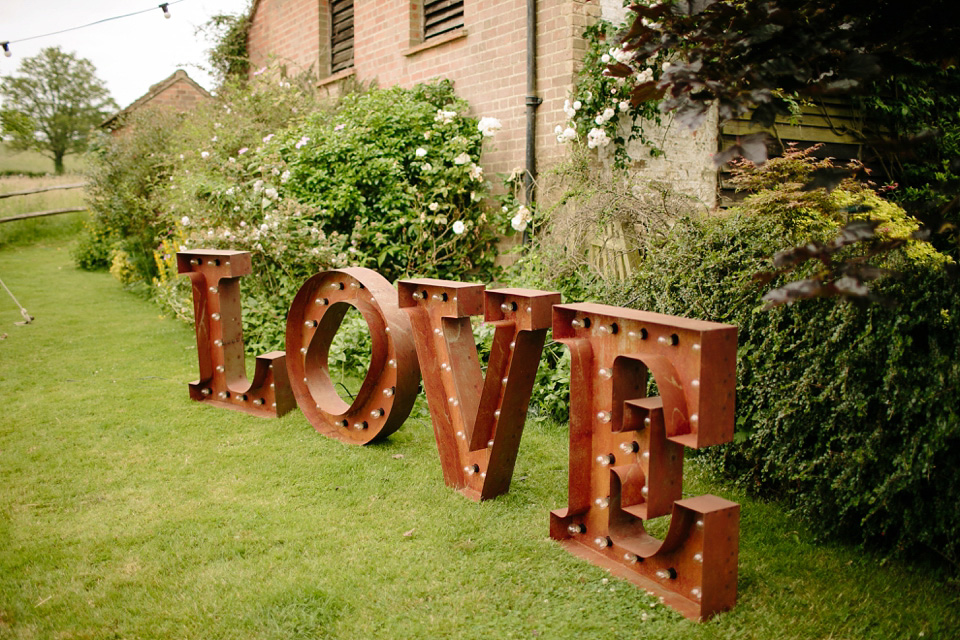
(23, 312)
(84, 26)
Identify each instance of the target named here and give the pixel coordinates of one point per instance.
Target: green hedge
(848, 411)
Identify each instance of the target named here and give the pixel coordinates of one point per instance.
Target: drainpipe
(532, 102)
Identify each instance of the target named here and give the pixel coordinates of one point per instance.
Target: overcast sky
(130, 54)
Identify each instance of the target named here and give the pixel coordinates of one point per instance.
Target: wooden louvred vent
(341, 35)
(441, 16)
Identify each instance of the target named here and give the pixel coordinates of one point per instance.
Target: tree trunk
(58, 163)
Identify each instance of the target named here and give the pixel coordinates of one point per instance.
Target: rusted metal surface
(215, 277)
(477, 420)
(390, 387)
(626, 451)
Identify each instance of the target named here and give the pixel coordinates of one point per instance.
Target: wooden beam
(42, 189)
(40, 214)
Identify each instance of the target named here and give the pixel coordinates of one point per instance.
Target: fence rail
(40, 214)
(28, 192)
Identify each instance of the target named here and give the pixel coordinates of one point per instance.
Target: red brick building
(178, 92)
(481, 45)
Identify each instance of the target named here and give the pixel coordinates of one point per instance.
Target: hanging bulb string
(163, 7)
(23, 312)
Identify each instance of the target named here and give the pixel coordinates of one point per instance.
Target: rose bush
(384, 178)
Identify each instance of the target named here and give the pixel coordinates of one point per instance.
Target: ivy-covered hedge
(847, 411)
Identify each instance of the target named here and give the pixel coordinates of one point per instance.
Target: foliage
(53, 103)
(757, 53)
(919, 109)
(387, 179)
(406, 174)
(782, 189)
(229, 56)
(842, 422)
(834, 413)
(124, 173)
(600, 109)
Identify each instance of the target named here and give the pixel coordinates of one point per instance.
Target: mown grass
(25, 232)
(128, 511)
(33, 161)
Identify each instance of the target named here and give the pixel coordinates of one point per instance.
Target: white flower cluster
(565, 135)
(476, 172)
(571, 109)
(302, 142)
(461, 159)
(603, 118)
(519, 222)
(618, 54)
(645, 76)
(489, 126)
(445, 117)
(597, 138)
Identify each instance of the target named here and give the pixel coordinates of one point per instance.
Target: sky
(130, 54)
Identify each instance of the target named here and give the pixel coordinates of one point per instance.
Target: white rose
(459, 227)
(489, 126)
(421, 152)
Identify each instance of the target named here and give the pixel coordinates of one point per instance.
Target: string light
(165, 7)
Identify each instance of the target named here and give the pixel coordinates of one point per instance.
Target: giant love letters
(626, 449)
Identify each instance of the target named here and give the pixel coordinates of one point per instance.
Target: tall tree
(53, 103)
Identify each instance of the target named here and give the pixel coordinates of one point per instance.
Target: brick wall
(486, 59)
(286, 32)
(181, 95)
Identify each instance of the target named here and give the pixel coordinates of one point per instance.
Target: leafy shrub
(123, 174)
(387, 179)
(600, 109)
(847, 411)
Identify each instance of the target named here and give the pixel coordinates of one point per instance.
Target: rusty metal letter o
(390, 387)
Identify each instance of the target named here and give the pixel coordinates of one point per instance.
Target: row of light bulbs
(165, 7)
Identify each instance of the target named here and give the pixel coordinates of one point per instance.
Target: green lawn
(128, 511)
(33, 161)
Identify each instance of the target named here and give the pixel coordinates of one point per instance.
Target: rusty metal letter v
(477, 421)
